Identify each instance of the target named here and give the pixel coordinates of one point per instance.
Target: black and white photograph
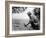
(25, 18)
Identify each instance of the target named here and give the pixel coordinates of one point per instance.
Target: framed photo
(24, 18)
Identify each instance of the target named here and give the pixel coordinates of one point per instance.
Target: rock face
(20, 21)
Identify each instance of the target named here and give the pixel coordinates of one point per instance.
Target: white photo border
(24, 32)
